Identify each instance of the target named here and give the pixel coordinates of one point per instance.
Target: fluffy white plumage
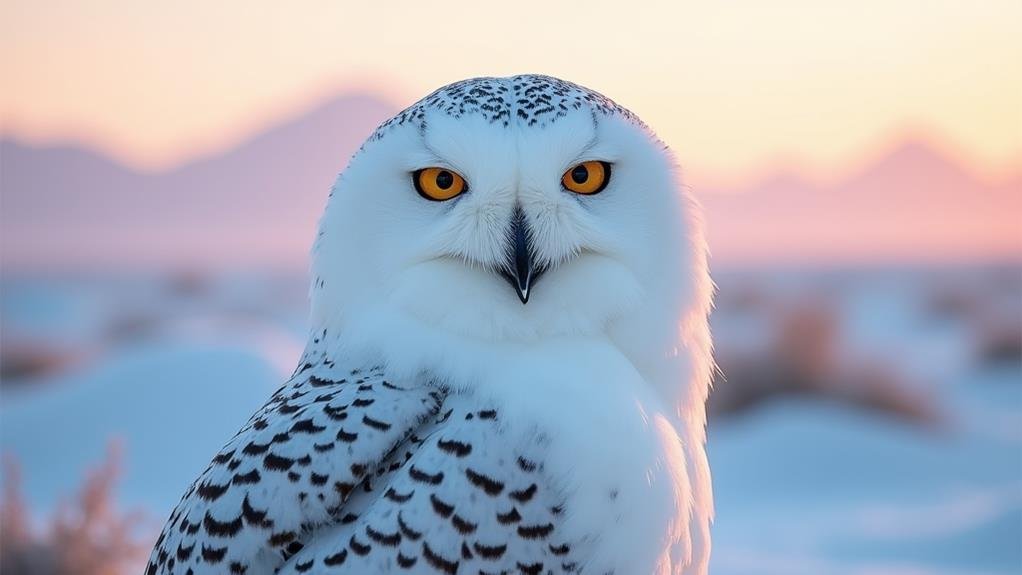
(582, 411)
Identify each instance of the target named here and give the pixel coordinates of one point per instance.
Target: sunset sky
(734, 87)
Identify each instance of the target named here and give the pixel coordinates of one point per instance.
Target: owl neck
(676, 371)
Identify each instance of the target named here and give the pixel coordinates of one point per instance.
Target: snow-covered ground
(818, 488)
(807, 480)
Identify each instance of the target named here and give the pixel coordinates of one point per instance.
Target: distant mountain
(911, 204)
(258, 203)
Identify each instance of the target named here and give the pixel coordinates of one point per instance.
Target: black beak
(520, 270)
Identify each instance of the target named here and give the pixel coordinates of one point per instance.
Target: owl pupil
(444, 180)
(580, 174)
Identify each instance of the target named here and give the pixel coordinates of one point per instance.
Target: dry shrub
(86, 536)
(803, 356)
(1001, 344)
(990, 308)
(23, 361)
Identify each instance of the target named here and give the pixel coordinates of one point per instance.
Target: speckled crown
(529, 100)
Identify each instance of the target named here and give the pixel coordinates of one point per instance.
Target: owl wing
(461, 497)
(290, 471)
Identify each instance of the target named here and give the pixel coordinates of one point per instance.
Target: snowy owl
(508, 362)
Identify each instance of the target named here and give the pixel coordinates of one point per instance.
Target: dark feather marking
(562, 550)
(254, 448)
(406, 562)
(343, 488)
(274, 462)
(375, 424)
(524, 495)
(386, 539)
(535, 531)
(361, 549)
(441, 507)
(490, 552)
(336, 413)
(533, 569)
(489, 485)
(406, 530)
(509, 517)
(317, 382)
(396, 497)
(456, 447)
(336, 559)
(223, 457)
(213, 555)
(526, 465)
(221, 528)
(282, 538)
(438, 562)
(253, 516)
(423, 477)
(463, 526)
(306, 426)
(211, 491)
(246, 478)
(183, 553)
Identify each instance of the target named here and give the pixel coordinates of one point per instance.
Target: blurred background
(162, 167)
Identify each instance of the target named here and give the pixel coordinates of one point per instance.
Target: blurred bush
(991, 306)
(86, 536)
(790, 346)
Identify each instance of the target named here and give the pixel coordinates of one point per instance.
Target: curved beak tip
(520, 272)
(523, 293)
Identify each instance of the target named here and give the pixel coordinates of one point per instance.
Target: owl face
(507, 209)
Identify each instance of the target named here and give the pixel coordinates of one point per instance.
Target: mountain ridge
(257, 203)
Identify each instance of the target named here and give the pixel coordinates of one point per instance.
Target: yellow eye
(438, 184)
(587, 178)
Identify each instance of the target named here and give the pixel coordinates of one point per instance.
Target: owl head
(511, 211)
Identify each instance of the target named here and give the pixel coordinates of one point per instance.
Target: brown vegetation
(802, 356)
(86, 536)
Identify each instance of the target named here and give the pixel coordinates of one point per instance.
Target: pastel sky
(734, 87)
